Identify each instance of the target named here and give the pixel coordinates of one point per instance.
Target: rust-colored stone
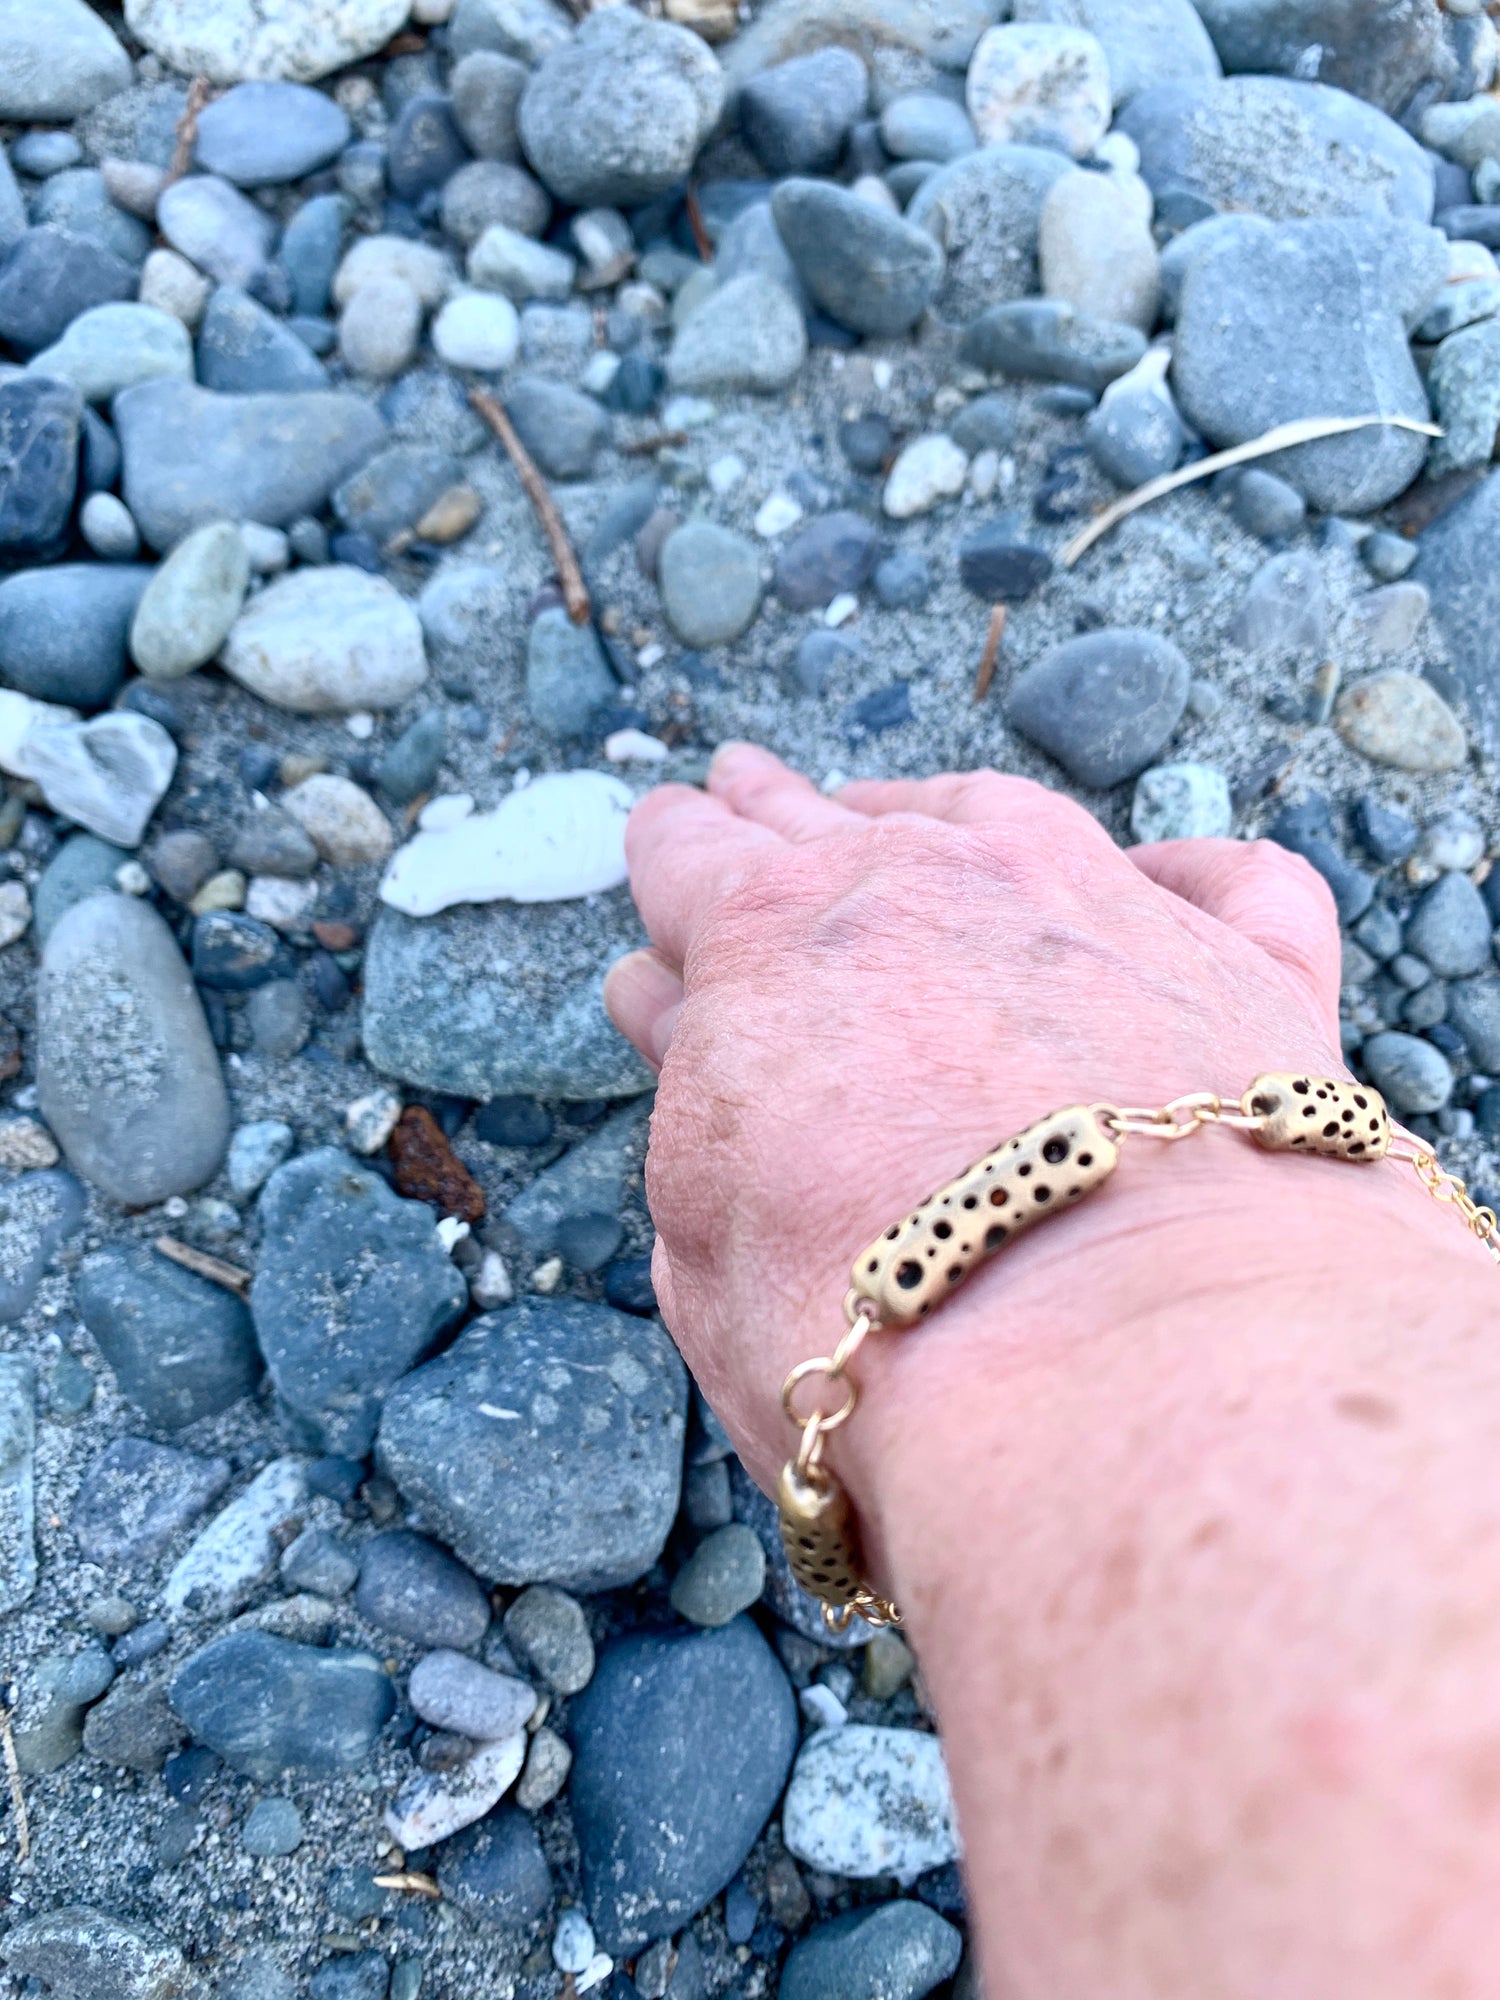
(10, 1050)
(335, 937)
(428, 1169)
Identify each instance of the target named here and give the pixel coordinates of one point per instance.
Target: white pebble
(634, 746)
(548, 842)
(602, 369)
(651, 654)
(478, 330)
(450, 1231)
(131, 879)
(490, 1285)
(882, 373)
(26, 1144)
(547, 1276)
(444, 811)
(776, 513)
(173, 285)
(573, 1944)
(598, 1969)
(283, 904)
(360, 725)
(106, 524)
(841, 609)
(928, 470)
(268, 548)
(688, 413)
(725, 473)
(822, 1707)
(370, 1121)
(984, 473)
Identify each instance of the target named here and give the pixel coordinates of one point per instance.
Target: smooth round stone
(563, 429)
(105, 524)
(1402, 721)
(681, 1747)
(1387, 556)
(723, 1576)
(503, 260)
(798, 114)
(243, 349)
(496, 1871)
(903, 581)
(229, 41)
(109, 347)
(1388, 620)
(587, 1241)
(1266, 506)
(1104, 704)
(1474, 1010)
(1451, 928)
(1181, 802)
(866, 1801)
(48, 277)
(1410, 1074)
(1452, 840)
(1000, 565)
(410, 766)
(213, 225)
(832, 554)
(900, 1950)
(749, 334)
(409, 1586)
(710, 583)
(279, 1017)
(1096, 250)
(1134, 434)
(1285, 608)
(615, 116)
(342, 820)
(494, 193)
(309, 253)
(77, 1950)
(426, 269)
(1051, 340)
(77, 202)
(81, 865)
(548, 1631)
(267, 1705)
(274, 1827)
(485, 92)
(1465, 399)
(926, 471)
(259, 134)
(170, 284)
(255, 1152)
(191, 602)
(127, 1075)
(568, 680)
(450, 1691)
(58, 59)
(924, 126)
(63, 628)
(479, 330)
(1037, 83)
(326, 641)
(424, 147)
(867, 267)
(379, 328)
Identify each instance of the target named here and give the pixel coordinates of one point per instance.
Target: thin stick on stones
(230, 1276)
(17, 1794)
(409, 1878)
(200, 90)
(699, 228)
(657, 441)
(991, 653)
(569, 575)
(1305, 430)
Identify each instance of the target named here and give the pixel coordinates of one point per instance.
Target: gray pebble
(563, 429)
(568, 680)
(1104, 704)
(797, 114)
(1266, 506)
(1411, 1074)
(137, 1497)
(319, 1562)
(1285, 609)
(724, 1575)
(485, 92)
(1451, 928)
(548, 1632)
(274, 1827)
(410, 1586)
(1050, 340)
(710, 583)
(258, 134)
(869, 269)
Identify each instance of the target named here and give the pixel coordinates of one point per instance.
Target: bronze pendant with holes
(1318, 1114)
(818, 1535)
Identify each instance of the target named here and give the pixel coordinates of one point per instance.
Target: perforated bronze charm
(817, 1536)
(922, 1259)
(1316, 1114)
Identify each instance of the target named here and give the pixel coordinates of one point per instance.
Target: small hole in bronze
(1024, 1169)
(994, 1237)
(908, 1275)
(1055, 1149)
(1041, 1194)
(942, 1230)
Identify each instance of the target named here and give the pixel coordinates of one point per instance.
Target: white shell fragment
(560, 836)
(107, 774)
(434, 1804)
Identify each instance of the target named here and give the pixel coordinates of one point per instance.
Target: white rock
(360, 725)
(984, 473)
(323, 641)
(840, 609)
(822, 1707)
(268, 548)
(777, 513)
(220, 229)
(572, 1941)
(232, 41)
(506, 261)
(108, 774)
(173, 285)
(871, 188)
(26, 1144)
(239, 1548)
(869, 1801)
(450, 1231)
(134, 185)
(634, 746)
(602, 369)
(429, 273)
(1470, 260)
(370, 1121)
(108, 527)
(379, 328)
(434, 1804)
(131, 879)
(1096, 250)
(598, 1969)
(112, 347)
(490, 1285)
(477, 330)
(15, 912)
(928, 470)
(726, 472)
(1184, 801)
(559, 837)
(1035, 83)
(447, 809)
(343, 822)
(280, 902)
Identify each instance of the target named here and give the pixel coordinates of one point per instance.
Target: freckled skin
(1190, 1496)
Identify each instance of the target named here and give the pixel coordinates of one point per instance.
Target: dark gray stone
(244, 349)
(869, 269)
(1451, 928)
(424, 147)
(561, 427)
(274, 1827)
(352, 1288)
(1051, 340)
(496, 1871)
(395, 489)
(309, 252)
(1457, 564)
(988, 423)
(319, 1562)
(1266, 506)
(40, 428)
(1411, 1074)
(410, 766)
(897, 1951)
(259, 134)
(903, 581)
(267, 1705)
(568, 680)
(180, 1347)
(77, 1953)
(234, 953)
(1384, 51)
(1001, 564)
(582, 1489)
(48, 277)
(797, 114)
(38, 1213)
(681, 1747)
(984, 211)
(1134, 435)
(362, 1975)
(133, 1728)
(1104, 704)
(136, 1496)
(410, 1586)
(832, 554)
(1474, 1009)
(63, 630)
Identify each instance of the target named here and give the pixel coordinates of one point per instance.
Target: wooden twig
(409, 1878)
(695, 222)
(199, 92)
(17, 1794)
(569, 575)
(991, 653)
(657, 441)
(1304, 430)
(230, 1276)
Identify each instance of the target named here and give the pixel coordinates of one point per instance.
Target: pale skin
(1191, 1497)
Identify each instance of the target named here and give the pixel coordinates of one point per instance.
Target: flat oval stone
(260, 133)
(322, 641)
(867, 1801)
(1401, 720)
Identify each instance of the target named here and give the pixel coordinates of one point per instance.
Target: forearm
(1194, 1513)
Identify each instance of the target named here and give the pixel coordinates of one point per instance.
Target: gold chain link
(1450, 1191)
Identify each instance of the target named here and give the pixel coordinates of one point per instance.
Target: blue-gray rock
(1307, 829)
(58, 59)
(1474, 1009)
(1050, 340)
(1463, 582)
(1473, 223)
(797, 114)
(193, 456)
(361, 1975)
(243, 349)
(394, 489)
(590, 1178)
(352, 1288)
(216, 227)
(1148, 42)
(902, 581)
(47, 278)
(1104, 704)
(923, 126)
(503, 999)
(425, 147)
(561, 428)
(410, 766)
(568, 679)
(1191, 243)
(1462, 383)
(63, 630)
(899, 1950)
(869, 269)
(1279, 148)
(44, 153)
(1410, 1074)
(820, 653)
(235, 953)
(831, 554)
(1451, 928)
(40, 423)
(136, 1496)
(1134, 434)
(581, 1490)
(274, 1827)
(428, 406)
(988, 423)
(1266, 506)
(267, 1705)
(749, 334)
(1385, 54)
(489, 193)
(77, 202)
(496, 1871)
(1001, 564)
(1331, 298)
(258, 134)
(309, 253)
(984, 211)
(752, 242)
(319, 1562)
(127, 1075)
(38, 1213)
(681, 1747)
(410, 1586)
(1285, 608)
(486, 92)
(710, 583)
(77, 1953)
(80, 866)
(180, 1347)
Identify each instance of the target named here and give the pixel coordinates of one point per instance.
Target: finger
(642, 997)
(685, 850)
(760, 787)
(971, 798)
(1267, 894)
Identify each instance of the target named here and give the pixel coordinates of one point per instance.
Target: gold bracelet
(922, 1259)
